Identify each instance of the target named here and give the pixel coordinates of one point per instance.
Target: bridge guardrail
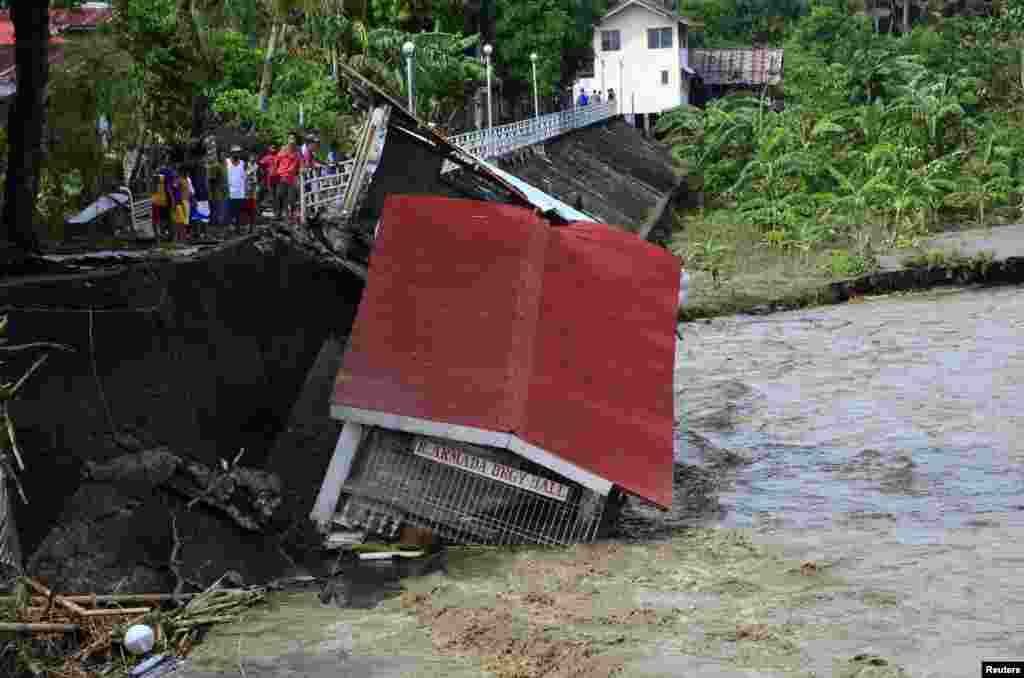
(322, 188)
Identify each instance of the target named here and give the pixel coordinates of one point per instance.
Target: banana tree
(777, 163)
(933, 103)
(866, 186)
(982, 185)
(731, 123)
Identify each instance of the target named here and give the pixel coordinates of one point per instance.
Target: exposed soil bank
(205, 356)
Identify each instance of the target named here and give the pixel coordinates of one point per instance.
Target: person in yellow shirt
(182, 207)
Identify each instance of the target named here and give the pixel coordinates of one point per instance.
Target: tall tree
(31, 20)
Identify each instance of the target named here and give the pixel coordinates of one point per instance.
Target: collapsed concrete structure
(476, 402)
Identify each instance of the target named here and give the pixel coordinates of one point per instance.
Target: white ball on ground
(139, 639)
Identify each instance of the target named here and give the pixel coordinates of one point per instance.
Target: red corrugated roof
(83, 17)
(60, 20)
(484, 315)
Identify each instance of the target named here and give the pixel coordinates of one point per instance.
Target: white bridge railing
(323, 188)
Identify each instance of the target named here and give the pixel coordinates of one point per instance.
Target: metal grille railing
(321, 189)
(460, 506)
(504, 139)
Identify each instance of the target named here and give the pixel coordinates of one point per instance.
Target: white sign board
(452, 456)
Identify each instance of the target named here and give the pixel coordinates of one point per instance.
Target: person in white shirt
(236, 186)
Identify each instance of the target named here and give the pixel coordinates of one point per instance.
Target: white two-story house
(641, 51)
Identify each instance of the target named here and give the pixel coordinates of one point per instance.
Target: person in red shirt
(268, 166)
(288, 166)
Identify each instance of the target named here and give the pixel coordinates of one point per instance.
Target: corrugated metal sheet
(484, 315)
(754, 66)
(83, 18)
(539, 198)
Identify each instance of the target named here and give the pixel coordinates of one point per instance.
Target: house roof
(652, 6)
(556, 342)
(87, 17)
(745, 66)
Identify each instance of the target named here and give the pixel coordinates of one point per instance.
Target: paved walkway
(1003, 241)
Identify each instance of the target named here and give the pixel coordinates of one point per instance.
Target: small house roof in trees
(743, 66)
(87, 17)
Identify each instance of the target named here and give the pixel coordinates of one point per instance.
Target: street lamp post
(536, 101)
(408, 49)
(490, 109)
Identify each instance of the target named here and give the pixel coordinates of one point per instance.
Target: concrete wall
(641, 67)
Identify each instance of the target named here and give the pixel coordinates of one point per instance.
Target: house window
(664, 77)
(659, 38)
(610, 41)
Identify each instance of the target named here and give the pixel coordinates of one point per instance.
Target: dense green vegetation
(169, 71)
(882, 139)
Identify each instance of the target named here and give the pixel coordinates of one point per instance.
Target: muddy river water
(882, 437)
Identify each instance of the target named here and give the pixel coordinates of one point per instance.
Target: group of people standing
(583, 99)
(237, 186)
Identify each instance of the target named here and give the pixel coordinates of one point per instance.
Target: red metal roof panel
(484, 315)
(600, 392)
(435, 336)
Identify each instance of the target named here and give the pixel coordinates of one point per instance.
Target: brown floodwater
(881, 437)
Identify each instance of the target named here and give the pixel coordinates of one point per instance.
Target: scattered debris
(752, 632)
(94, 631)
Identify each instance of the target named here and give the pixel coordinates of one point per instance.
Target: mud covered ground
(848, 504)
(705, 602)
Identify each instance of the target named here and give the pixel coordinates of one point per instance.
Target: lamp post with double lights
(488, 50)
(536, 100)
(408, 49)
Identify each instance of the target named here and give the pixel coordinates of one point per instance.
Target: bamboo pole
(93, 599)
(60, 600)
(114, 611)
(38, 628)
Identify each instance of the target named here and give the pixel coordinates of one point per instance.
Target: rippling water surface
(881, 437)
(906, 409)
